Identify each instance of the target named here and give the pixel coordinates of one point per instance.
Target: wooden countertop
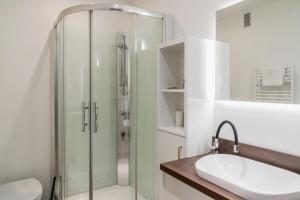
(185, 171)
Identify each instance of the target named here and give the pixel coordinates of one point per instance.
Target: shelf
(173, 45)
(173, 90)
(173, 130)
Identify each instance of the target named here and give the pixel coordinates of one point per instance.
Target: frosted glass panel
(76, 91)
(149, 36)
(107, 145)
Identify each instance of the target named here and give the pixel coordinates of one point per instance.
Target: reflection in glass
(257, 51)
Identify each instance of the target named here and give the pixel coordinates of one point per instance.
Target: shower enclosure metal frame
(59, 155)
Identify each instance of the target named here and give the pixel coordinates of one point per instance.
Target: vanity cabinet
(174, 189)
(170, 147)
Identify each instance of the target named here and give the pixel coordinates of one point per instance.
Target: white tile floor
(111, 193)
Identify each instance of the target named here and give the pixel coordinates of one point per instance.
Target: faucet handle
(236, 148)
(215, 145)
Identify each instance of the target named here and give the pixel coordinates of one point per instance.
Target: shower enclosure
(105, 102)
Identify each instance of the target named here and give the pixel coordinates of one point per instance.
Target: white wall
(263, 44)
(192, 17)
(272, 126)
(26, 103)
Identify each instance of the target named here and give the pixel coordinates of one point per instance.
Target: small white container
(179, 116)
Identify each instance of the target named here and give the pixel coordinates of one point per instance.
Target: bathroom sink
(248, 178)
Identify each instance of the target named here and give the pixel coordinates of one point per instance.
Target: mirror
(258, 51)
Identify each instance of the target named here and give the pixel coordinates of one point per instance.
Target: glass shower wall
(149, 35)
(108, 146)
(76, 91)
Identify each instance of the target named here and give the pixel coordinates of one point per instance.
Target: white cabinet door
(170, 188)
(170, 147)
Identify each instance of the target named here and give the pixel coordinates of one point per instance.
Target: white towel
(273, 76)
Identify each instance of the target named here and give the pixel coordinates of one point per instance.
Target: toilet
(27, 189)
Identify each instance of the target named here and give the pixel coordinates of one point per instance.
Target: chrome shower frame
(113, 7)
(59, 136)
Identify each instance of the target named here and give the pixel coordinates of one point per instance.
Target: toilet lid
(28, 189)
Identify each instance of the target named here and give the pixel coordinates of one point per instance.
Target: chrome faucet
(215, 145)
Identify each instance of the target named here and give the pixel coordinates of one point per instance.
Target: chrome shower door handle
(83, 120)
(95, 117)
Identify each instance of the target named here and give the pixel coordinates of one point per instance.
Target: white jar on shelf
(179, 115)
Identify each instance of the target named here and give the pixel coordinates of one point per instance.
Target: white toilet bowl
(28, 189)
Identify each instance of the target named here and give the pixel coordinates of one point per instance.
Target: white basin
(248, 178)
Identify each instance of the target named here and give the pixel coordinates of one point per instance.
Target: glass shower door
(76, 98)
(111, 104)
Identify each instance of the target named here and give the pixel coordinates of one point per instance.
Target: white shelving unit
(171, 74)
(182, 85)
(183, 65)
